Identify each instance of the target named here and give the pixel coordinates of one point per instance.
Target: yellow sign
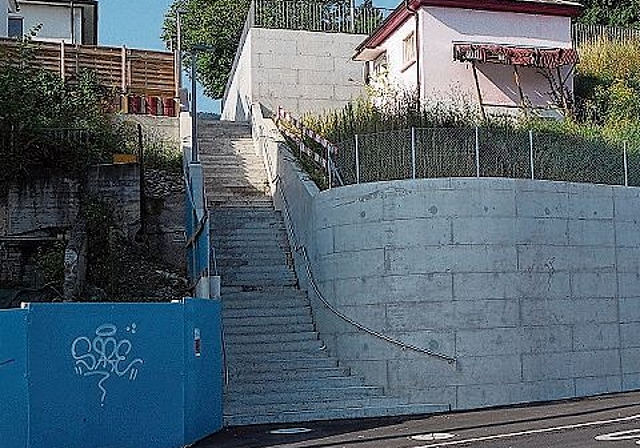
(125, 158)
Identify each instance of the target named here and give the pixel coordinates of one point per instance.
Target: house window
(16, 27)
(380, 65)
(409, 48)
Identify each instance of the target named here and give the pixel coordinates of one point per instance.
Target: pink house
(502, 54)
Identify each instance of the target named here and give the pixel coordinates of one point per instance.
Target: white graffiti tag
(105, 356)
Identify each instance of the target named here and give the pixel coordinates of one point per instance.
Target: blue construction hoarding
(110, 375)
(14, 396)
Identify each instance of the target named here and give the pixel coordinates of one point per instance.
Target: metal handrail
(303, 250)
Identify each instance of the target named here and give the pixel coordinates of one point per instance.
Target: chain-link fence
(485, 152)
(584, 34)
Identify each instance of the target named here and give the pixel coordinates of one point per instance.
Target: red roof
(405, 10)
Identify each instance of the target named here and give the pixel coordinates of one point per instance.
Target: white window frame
(380, 65)
(409, 48)
(15, 19)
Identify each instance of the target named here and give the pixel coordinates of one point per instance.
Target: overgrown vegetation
(49, 126)
(587, 146)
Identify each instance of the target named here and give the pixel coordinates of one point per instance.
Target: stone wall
(45, 211)
(532, 286)
(119, 185)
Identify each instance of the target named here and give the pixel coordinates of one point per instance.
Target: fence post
(352, 10)
(329, 178)
(531, 154)
(357, 141)
(626, 165)
(63, 68)
(477, 152)
(413, 152)
(123, 69)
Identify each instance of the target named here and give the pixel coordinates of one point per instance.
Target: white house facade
(502, 54)
(6, 7)
(71, 21)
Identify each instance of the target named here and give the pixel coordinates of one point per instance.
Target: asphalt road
(604, 422)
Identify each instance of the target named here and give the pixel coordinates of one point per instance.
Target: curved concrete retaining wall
(533, 286)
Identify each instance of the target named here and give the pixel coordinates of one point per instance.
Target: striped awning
(512, 55)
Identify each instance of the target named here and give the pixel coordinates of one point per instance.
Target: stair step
(270, 228)
(268, 346)
(219, 223)
(317, 394)
(266, 312)
(255, 202)
(333, 414)
(287, 375)
(254, 328)
(270, 320)
(266, 294)
(298, 387)
(235, 408)
(256, 303)
(273, 258)
(277, 365)
(248, 237)
(265, 281)
(241, 281)
(257, 338)
(257, 242)
(242, 358)
(259, 270)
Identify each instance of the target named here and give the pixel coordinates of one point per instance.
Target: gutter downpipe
(413, 11)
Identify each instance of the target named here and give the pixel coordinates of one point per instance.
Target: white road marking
(533, 431)
(622, 435)
(433, 436)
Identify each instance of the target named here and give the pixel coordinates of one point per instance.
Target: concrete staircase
(279, 369)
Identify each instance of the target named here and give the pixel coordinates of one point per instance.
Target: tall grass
(446, 139)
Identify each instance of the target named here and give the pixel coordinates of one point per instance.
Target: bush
(49, 126)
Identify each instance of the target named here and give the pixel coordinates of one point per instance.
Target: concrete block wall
(301, 71)
(533, 286)
(238, 95)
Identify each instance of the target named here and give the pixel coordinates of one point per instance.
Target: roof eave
(395, 20)
(404, 11)
(13, 6)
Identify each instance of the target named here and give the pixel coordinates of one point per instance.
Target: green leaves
(51, 126)
(216, 23)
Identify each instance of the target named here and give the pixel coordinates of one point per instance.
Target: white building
(6, 6)
(72, 21)
(504, 54)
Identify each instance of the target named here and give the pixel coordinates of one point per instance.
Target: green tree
(612, 12)
(219, 24)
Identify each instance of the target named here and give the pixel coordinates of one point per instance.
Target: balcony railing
(317, 16)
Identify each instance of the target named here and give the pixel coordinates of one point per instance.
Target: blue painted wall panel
(14, 402)
(203, 367)
(106, 376)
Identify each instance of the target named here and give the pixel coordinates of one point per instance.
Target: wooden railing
(129, 71)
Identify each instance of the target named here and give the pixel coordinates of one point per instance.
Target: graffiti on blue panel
(105, 356)
(7, 362)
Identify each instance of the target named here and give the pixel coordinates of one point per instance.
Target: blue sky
(138, 24)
